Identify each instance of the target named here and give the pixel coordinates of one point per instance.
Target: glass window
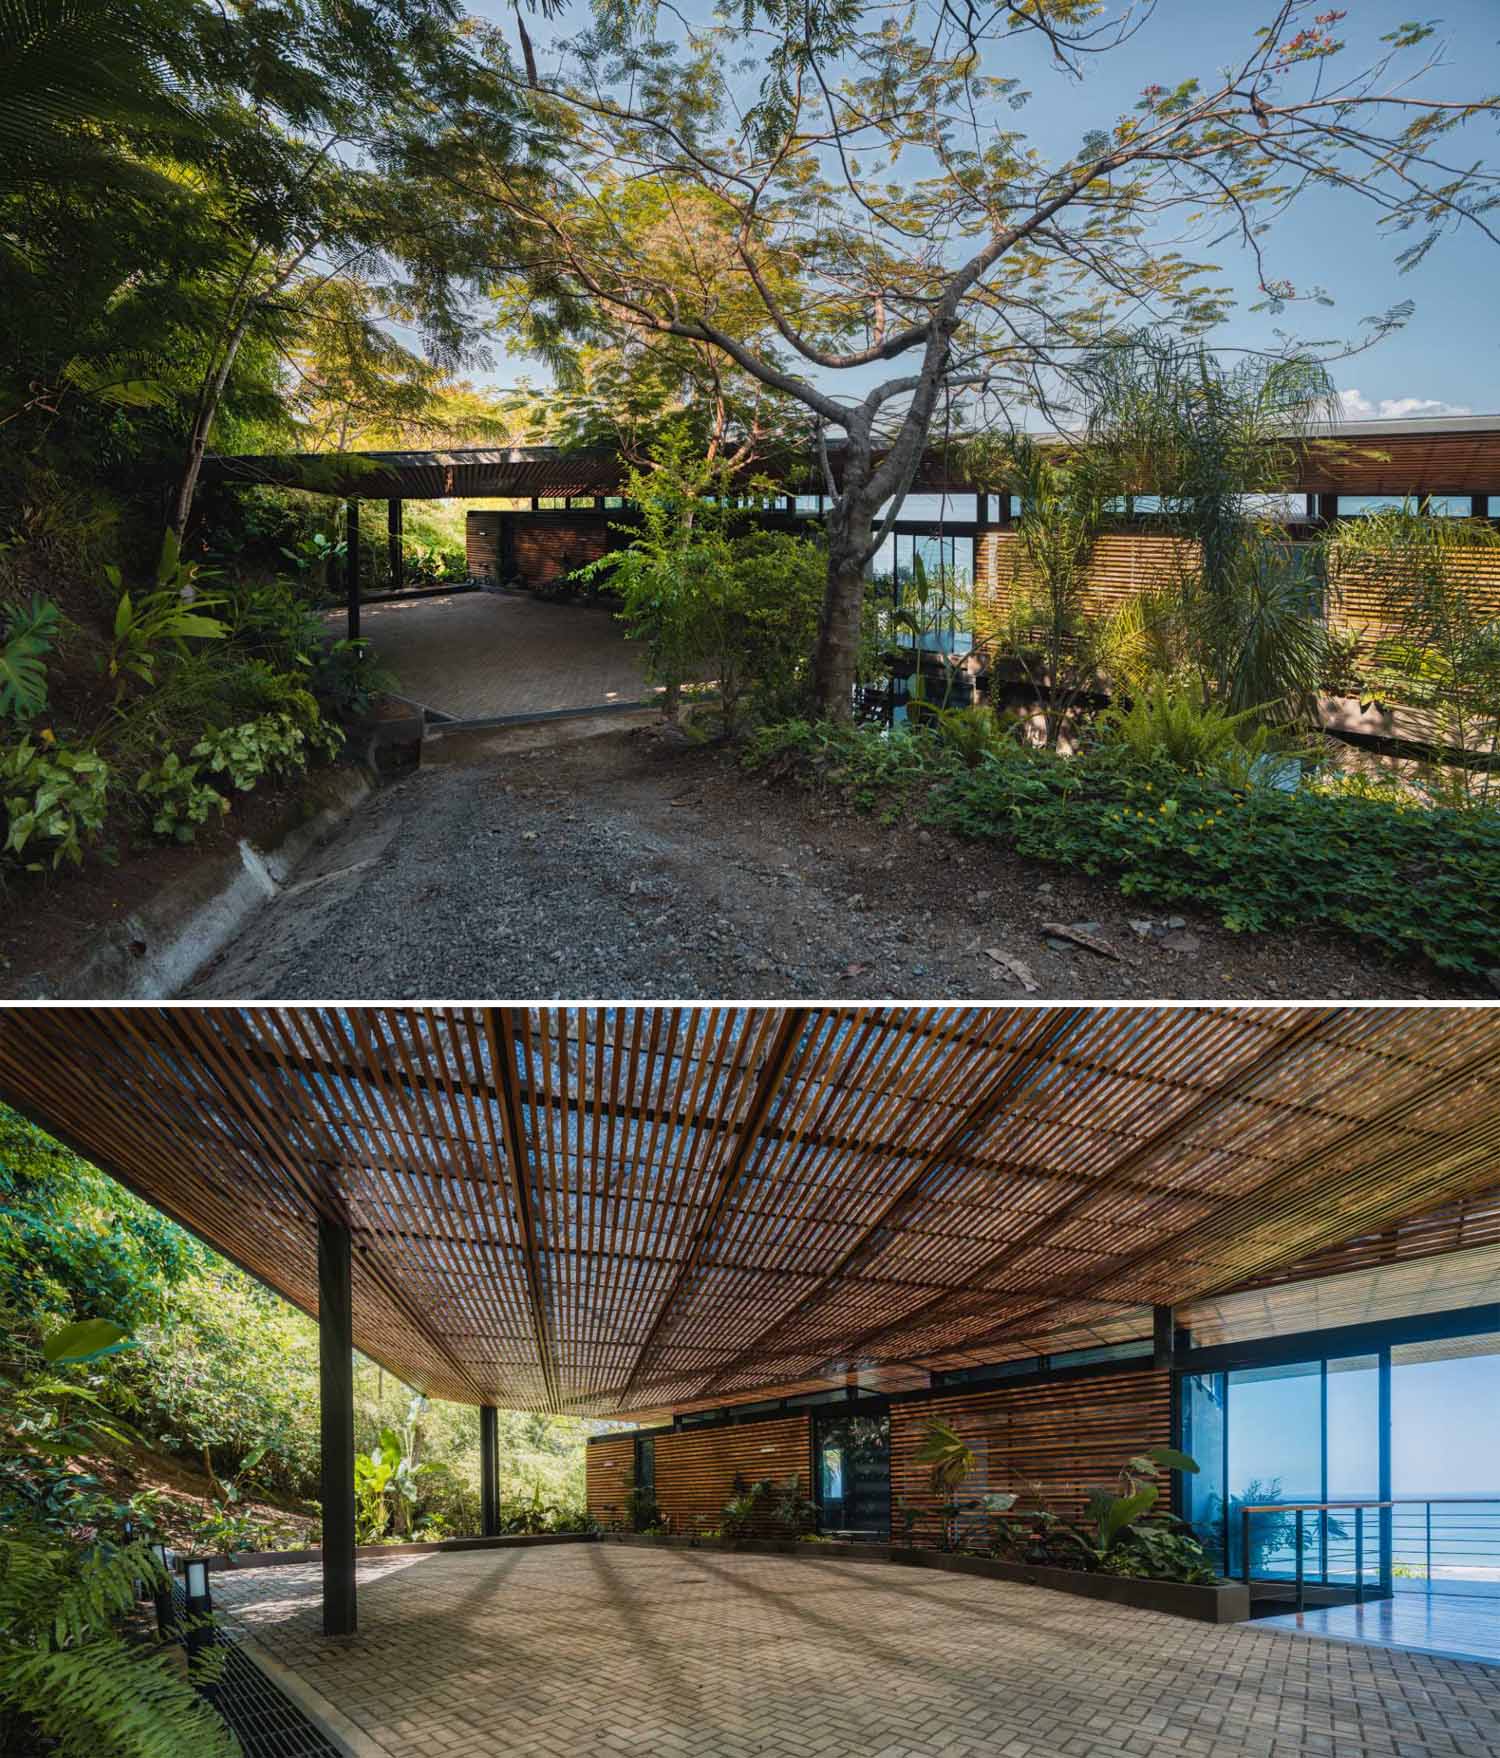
(1203, 1400)
(853, 1489)
(1274, 1456)
(1445, 1442)
(932, 509)
(1449, 506)
(1283, 507)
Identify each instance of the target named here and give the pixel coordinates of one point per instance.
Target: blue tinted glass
(1275, 1456)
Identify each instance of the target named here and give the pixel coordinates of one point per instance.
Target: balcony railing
(1367, 1546)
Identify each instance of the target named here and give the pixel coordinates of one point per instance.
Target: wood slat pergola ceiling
(633, 1210)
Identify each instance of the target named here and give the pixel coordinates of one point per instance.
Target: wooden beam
(783, 1052)
(351, 567)
(393, 545)
(500, 1026)
(1030, 1057)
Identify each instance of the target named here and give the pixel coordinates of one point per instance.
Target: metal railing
(1453, 1541)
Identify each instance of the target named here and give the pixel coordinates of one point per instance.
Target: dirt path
(569, 862)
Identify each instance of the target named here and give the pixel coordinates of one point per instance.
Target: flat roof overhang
(1446, 455)
(630, 1210)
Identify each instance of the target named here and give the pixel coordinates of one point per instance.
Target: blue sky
(1447, 359)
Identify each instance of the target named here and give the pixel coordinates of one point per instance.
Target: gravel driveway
(566, 861)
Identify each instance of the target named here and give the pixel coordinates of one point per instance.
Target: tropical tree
(894, 224)
(622, 384)
(1238, 612)
(1049, 627)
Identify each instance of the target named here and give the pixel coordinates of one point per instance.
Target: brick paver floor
(477, 654)
(603, 1649)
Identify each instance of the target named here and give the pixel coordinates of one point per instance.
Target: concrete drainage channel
(153, 953)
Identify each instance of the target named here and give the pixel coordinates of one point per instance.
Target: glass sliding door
(1274, 1455)
(852, 1457)
(1445, 1451)
(1306, 1431)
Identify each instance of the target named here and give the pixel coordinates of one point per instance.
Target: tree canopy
(877, 217)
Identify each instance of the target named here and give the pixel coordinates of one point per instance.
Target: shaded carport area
(647, 1213)
(476, 654)
(595, 1648)
(504, 656)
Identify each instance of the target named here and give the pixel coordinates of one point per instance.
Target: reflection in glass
(854, 1475)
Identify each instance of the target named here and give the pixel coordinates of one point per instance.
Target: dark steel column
(351, 565)
(489, 1477)
(336, 1399)
(1163, 1338)
(393, 528)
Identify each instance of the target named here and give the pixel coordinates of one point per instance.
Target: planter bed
(270, 1559)
(1225, 1602)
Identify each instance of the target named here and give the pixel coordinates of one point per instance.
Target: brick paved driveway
(477, 654)
(603, 1649)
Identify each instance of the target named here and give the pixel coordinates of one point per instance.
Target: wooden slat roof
(634, 1209)
(1449, 455)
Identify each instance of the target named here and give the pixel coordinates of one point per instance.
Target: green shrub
(349, 679)
(1418, 880)
(1172, 726)
(874, 768)
(276, 742)
(29, 633)
(54, 799)
(177, 800)
(66, 1671)
(159, 621)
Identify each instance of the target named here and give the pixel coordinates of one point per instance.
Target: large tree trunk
(850, 527)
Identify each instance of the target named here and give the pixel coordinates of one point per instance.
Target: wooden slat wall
(1130, 562)
(1360, 601)
(607, 1466)
(1123, 564)
(1064, 1436)
(482, 544)
(696, 1468)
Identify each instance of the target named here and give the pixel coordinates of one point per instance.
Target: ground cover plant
(1329, 852)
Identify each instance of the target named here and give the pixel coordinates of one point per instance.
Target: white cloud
(1358, 407)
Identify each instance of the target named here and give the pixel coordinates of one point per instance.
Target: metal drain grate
(267, 1723)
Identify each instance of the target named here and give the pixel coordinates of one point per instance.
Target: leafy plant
(177, 800)
(313, 553)
(162, 617)
(67, 1672)
(1115, 1510)
(271, 742)
(349, 679)
(29, 633)
(54, 797)
(974, 733)
(1173, 726)
(745, 1510)
(793, 1511)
